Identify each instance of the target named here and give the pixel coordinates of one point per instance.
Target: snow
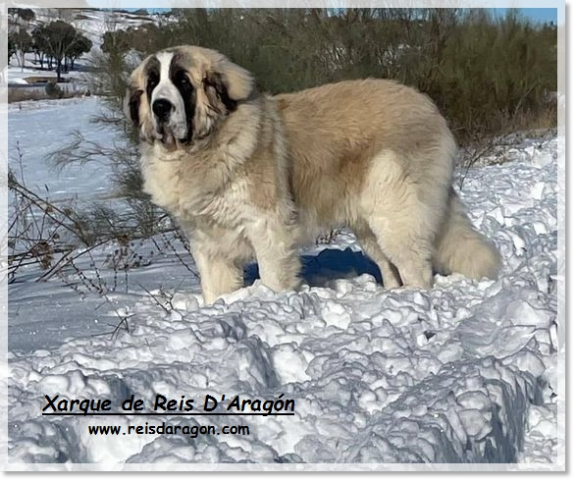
(467, 372)
(55, 121)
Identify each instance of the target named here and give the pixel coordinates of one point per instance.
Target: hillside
(92, 23)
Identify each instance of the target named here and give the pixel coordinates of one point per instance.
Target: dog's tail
(462, 249)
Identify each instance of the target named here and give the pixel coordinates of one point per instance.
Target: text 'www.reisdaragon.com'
(192, 431)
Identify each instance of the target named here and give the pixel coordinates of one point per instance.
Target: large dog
(247, 174)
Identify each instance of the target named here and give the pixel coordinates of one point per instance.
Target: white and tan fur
(259, 175)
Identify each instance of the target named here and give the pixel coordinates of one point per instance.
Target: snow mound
(463, 373)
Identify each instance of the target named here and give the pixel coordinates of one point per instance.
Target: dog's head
(180, 95)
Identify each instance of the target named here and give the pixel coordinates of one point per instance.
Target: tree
(22, 43)
(83, 45)
(25, 14)
(145, 38)
(39, 43)
(11, 47)
(115, 42)
(60, 40)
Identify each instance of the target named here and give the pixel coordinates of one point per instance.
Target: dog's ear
(231, 82)
(132, 105)
(224, 86)
(238, 81)
(218, 94)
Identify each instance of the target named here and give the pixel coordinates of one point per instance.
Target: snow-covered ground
(37, 128)
(466, 373)
(18, 74)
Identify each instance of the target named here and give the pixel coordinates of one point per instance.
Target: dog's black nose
(162, 108)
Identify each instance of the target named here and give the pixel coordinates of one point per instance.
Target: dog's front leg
(219, 273)
(278, 261)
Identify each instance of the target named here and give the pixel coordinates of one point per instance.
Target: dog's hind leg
(403, 215)
(369, 244)
(409, 250)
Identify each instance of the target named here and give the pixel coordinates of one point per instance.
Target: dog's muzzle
(162, 109)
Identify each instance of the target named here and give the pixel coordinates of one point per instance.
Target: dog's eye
(182, 78)
(152, 81)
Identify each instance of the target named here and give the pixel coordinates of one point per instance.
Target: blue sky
(541, 14)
